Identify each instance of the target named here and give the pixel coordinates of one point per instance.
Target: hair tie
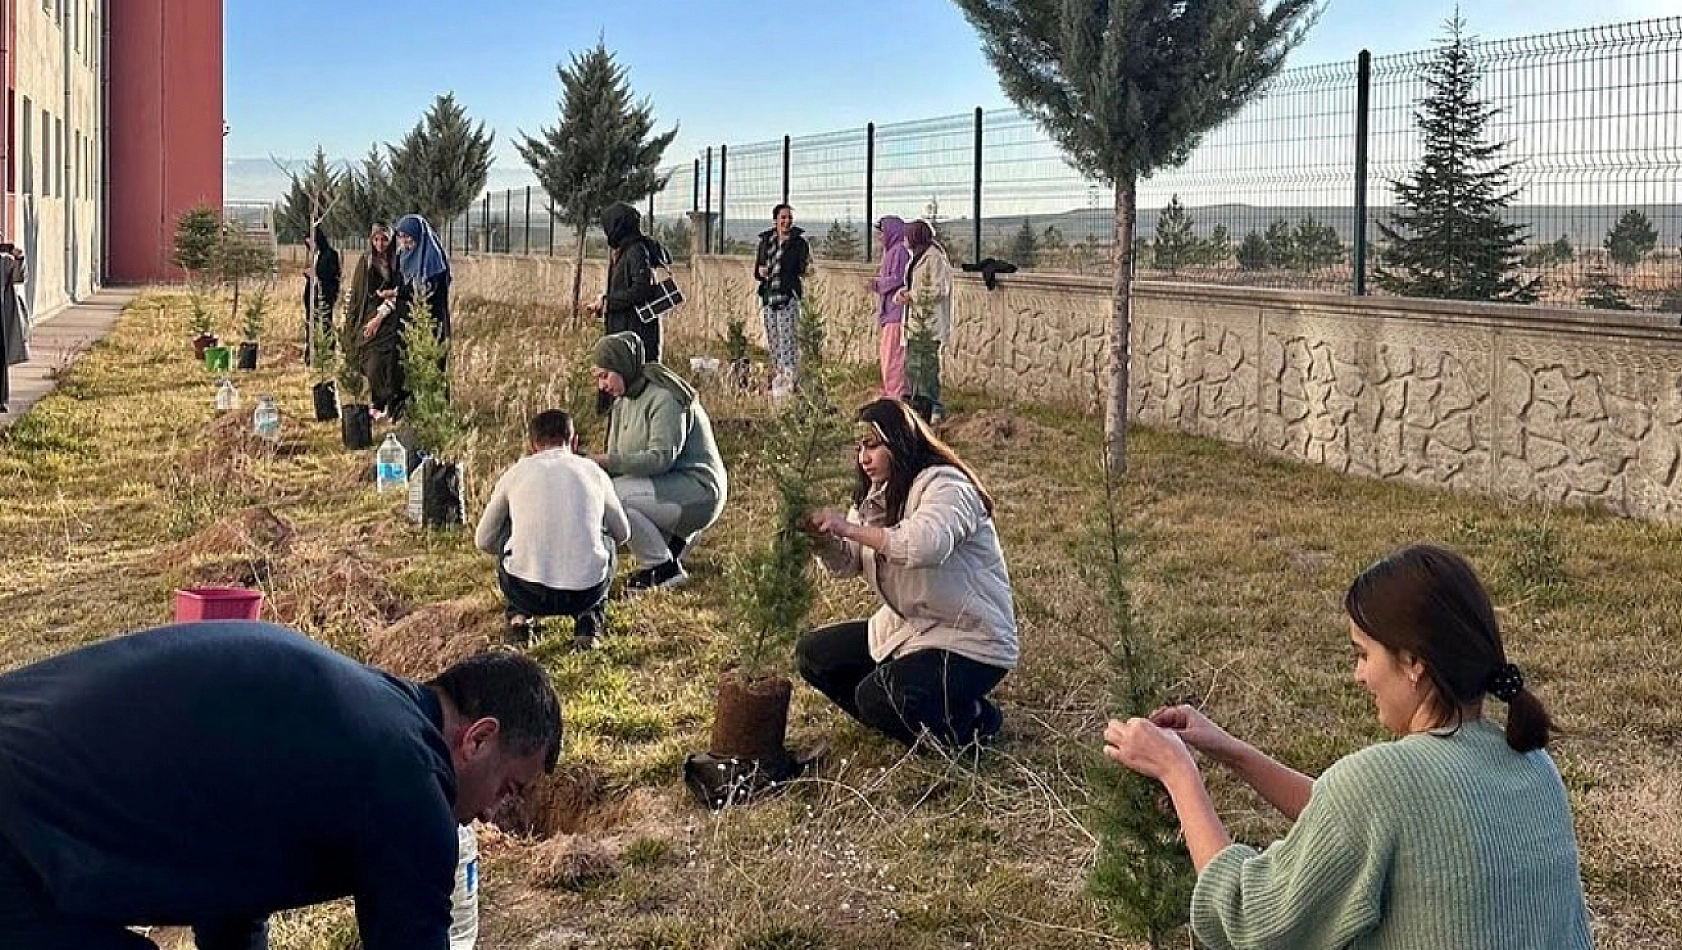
(1505, 683)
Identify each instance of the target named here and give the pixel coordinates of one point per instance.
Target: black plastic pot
(202, 342)
(356, 427)
(326, 401)
(439, 486)
(247, 355)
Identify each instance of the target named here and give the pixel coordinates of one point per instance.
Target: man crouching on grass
(209, 774)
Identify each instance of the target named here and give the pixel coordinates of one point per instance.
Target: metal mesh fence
(1588, 121)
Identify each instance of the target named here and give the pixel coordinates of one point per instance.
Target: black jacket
(216, 772)
(797, 259)
(630, 277)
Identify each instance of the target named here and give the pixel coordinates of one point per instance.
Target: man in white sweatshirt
(553, 523)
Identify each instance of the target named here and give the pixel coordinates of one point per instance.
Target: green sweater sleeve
(655, 449)
(1321, 886)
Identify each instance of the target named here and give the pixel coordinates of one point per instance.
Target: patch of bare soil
(994, 427)
(241, 549)
(426, 641)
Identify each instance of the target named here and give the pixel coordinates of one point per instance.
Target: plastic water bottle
(227, 397)
(464, 903)
(391, 462)
(265, 422)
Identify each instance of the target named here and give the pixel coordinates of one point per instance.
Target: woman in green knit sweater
(1456, 835)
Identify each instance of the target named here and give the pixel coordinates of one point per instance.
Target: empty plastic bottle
(464, 909)
(227, 397)
(265, 421)
(391, 463)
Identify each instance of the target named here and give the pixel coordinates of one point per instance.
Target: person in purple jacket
(890, 316)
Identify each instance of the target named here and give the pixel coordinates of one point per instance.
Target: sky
(723, 71)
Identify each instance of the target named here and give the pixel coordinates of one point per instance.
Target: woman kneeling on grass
(1457, 835)
(921, 531)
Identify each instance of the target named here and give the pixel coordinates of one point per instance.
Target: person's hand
(371, 327)
(387, 294)
(596, 305)
(1195, 730)
(826, 521)
(901, 297)
(761, 272)
(1147, 748)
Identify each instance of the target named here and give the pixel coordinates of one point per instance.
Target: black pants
(29, 920)
(936, 691)
(536, 600)
(649, 332)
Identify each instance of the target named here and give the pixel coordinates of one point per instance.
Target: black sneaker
(589, 624)
(988, 721)
(667, 574)
(519, 631)
(676, 544)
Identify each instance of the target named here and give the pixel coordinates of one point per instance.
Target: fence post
(508, 221)
(723, 193)
(787, 144)
(975, 199)
(549, 212)
(1363, 89)
(869, 189)
(485, 223)
(707, 238)
(695, 192)
(525, 225)
(651, 212)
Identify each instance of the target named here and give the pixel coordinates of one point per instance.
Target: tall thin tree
(442, 164)
(603, 149)
(1128, 87)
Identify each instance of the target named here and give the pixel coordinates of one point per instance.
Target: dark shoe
(667, 574)
(589, 624)
(676, 544)
(583, 644)
(989, 719)
(519, 631)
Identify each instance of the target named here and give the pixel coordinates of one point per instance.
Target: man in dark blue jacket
(209, 774)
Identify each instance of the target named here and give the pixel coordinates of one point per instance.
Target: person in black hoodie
(630, 279)
(321, 288)
(209, 774)
(781, 261)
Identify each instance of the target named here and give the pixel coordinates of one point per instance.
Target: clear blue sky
(345, 75)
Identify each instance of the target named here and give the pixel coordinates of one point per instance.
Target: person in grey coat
(921, 532)
(12, 322)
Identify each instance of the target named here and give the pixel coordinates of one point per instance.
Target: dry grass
(123, 485)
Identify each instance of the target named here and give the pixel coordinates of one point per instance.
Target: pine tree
(442, 164)
(1127, 89)
(1315, 245)
(602, 150)
(1214, 251)
(308, 196)
(368, 195)
(1176, 242)
(1631, 238)
(1024, 246)
(842, 242)
(1253, 252)
(1450, 242)
(1604, 293)
(1281, 244)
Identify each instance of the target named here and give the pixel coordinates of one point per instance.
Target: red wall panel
(165, 120)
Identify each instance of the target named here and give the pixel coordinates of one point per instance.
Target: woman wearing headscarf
(630, 279)
(890, 315)
(426, 271)
(12, 349)
(375, 321)
(321, 287)
(927, 299)
(665, 463)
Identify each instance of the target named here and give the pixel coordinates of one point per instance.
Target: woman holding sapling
(927, 302)
(921, 531)
(1456, 835)
(426, 271)
(378, 315)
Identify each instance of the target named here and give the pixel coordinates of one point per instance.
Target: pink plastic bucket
(217, 603)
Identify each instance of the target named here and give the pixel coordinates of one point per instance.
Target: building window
(46, 153)
(28, 150)
(63, 154)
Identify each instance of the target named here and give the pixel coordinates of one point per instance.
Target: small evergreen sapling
(428, 410)
(1143, 873)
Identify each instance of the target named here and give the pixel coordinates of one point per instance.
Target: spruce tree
(1628, 241)
(1449, 240)
(1604, 293)
(442, 164)
(1281, 244)
(1176, 242)
(603, 149)
(1253, 252)
(310, 196)
(1314, 245)
(368, 195)
(842, 242)
(1024, 246)
(1127, 89)
(1214, 251)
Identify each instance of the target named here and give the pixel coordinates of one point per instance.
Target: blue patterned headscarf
(426, 259)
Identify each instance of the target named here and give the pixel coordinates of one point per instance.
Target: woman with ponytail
(1458, 834)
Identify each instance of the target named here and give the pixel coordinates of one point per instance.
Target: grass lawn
(124, 485)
